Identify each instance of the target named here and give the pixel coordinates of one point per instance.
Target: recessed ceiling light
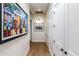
(39, 9)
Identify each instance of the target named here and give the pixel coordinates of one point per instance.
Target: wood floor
(38, 49)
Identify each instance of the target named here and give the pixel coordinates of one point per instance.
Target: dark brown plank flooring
(38, 49)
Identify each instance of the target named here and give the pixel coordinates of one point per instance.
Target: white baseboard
(70, 53)
(50, 52)
(27, 51)
(49, 49)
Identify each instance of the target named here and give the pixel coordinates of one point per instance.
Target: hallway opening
(39, 29)
(38, 49)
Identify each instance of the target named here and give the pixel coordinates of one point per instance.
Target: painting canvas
(38, 27)
(14, 20)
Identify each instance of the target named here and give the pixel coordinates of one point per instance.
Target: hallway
(38, 49)
(52, 28)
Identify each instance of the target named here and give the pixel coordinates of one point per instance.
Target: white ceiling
(39, 6)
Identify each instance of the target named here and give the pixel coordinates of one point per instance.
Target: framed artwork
(13, 21)
(38, 27)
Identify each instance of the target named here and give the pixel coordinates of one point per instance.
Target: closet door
(66, 28)
(59, 29)
(73, 29)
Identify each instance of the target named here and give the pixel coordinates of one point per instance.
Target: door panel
(66, 31)
(73, 41)
(59, 31)
(57, 49)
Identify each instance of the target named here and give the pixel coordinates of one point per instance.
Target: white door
(59, 30)
(73, 29)
(66, 28)
(66, 31)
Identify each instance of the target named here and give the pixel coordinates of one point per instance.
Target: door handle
(65, 52)
(62, 49)
(54, 12)
(54, 25)
(54, 41)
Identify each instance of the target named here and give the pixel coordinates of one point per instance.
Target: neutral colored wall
(38, 36)
(49, 31)
(19, 46)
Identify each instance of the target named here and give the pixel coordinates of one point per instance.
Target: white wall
(19, 46)
(38, 36)
(50, 33)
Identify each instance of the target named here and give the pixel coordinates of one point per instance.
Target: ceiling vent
(39, 11)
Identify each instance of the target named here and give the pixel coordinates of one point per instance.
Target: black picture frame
(12, 38)
(39, 28)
